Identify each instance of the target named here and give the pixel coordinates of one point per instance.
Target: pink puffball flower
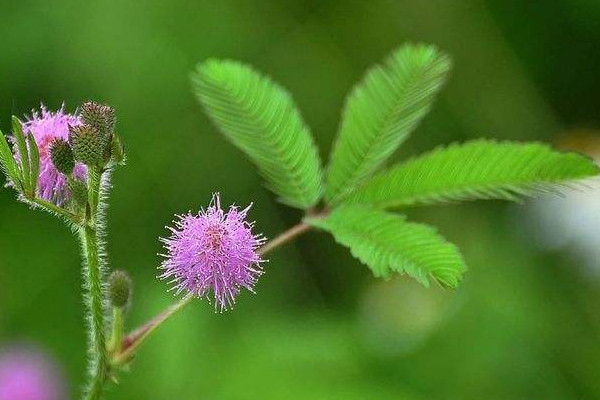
(213, 252)
(27, 374)
(46, 126)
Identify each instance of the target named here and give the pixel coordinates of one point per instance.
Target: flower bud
(119, 288)
(62, 156)
(99, 116)
(78, 191)
(87, 144)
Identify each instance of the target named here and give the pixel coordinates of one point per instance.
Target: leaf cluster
(259, 117)
(21, 168)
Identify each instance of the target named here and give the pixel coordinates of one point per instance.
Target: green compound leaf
(380, 114)
(387, 243)
(259, 117)
(8, 163)
(479, 169)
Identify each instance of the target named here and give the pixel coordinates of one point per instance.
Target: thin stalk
(51, 207)
(135, 339)
(116, 338)
(94, 281)
(285, 237)
(95, 309)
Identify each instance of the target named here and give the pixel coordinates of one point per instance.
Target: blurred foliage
(524, 324)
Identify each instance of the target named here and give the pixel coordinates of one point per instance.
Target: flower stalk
(95, 310)
(116, 338)
(132, 342)
(285, 237)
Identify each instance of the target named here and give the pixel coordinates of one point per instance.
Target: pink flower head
(45, 127)
(27, 374)
(213, 252)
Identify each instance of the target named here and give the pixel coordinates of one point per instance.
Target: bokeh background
(525, 324)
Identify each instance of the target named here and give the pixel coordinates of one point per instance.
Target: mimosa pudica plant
(62, 163)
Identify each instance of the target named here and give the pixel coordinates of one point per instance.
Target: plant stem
(285, 237)
(135, 339)
(116, 338)
(95, 285)
(95, 309)
(51, 207)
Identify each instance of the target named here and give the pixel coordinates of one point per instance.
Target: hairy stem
(94, 282)
(95, 310)
(51, 207)
(135, 339)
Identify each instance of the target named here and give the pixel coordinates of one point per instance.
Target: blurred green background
(525, 323)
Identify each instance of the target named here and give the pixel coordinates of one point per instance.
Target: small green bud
(87, 144)
(99, 116)
(119, 288)
(78, 191)
(62, 156)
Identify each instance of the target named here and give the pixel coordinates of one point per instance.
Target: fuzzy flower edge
(213, 254)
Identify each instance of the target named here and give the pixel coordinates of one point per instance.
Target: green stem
(99, 366)
(285, 237)
(116, 339)
(51, 207)
(95, 309)
(136, 338)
